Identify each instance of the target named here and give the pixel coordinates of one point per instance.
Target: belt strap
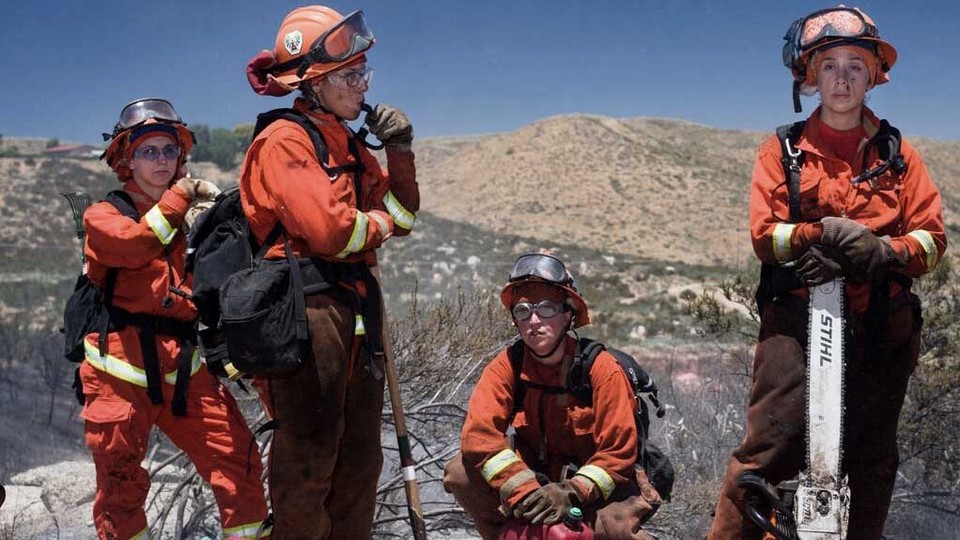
(151, 364)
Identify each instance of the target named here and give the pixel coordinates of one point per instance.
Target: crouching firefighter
(310, 177)
(142, 367)
(566, 452)
(838, 198)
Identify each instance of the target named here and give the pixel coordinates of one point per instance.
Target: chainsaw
(815, 506)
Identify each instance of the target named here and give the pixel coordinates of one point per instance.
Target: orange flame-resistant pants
(325, 458)
(618, 518)
(875, 387)
(214, 435)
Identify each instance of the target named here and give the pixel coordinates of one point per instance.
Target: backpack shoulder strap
(578, 379)
(297, 117)
(122, 201)
(792, 161)
(515, 354)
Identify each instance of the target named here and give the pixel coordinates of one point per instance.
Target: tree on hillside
(53, 142)
(220, 145)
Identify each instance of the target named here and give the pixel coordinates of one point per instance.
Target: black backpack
(656, 464)
(220, 242)
(87, 309)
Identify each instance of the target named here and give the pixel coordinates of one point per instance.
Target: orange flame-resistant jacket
(139, 250)
(905, 208)
(282, 180)
(601, 440)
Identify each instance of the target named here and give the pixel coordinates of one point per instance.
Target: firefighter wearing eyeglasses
(871, 219)
(326, 457)
(532, 480)
(146, 371)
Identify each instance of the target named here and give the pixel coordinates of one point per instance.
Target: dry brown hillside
(663, 189)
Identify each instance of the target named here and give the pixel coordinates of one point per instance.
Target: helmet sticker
(293, 42)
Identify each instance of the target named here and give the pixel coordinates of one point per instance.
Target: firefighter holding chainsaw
(335, 211)
(839, 196)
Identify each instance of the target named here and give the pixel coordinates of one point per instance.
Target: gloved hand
(548, 504)
(821, 264)
(193, 212)
(188, 185)
(391, 126)
(868, 254)
(206, 190)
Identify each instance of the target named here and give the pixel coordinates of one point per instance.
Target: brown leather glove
(869, 256)
(548, 504)
(391, 126)
(189, 185)
(821, 264)
(193, 212)
(206, 190)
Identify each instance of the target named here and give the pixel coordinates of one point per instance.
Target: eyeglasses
(169, 152)
(540, 265)
(352, 78)
(347, 38)
(546, 309)
(137, 112)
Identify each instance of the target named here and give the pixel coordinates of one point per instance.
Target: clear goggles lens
(546, 309)
(348, 38)
(352, 78)
(143, 109)
(169, 152)
(835, 23)
(541, 266)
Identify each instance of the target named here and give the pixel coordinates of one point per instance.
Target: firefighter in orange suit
(876, 222)
(493, 481)
(147, 370)
(326, 455)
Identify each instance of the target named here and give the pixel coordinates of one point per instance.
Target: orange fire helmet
(544, 269)
(137, 118)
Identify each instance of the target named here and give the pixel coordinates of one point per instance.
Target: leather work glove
(391, 126)
(189, 185)
(868, 254)
(821, 264)
(548, 504)
(192, 214)
(206, 190)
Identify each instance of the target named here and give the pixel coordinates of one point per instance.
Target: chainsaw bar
(822, 500)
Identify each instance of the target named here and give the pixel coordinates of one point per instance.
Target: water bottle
(571, 527)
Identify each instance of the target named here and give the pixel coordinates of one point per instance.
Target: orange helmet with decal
(312, 41)
(138, 118)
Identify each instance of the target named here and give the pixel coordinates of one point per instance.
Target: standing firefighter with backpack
(839, 196)
(571, 450)
(309, 173)
(143, 368)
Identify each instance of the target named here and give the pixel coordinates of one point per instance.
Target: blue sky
(462, 67)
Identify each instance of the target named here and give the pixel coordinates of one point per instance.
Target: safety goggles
(141, 110)
(539, 265)
(352, 78)
(345, 39)
(169, 152)
(835, 23)
(545, 309)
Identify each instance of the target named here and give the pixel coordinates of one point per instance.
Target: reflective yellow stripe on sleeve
(929, 246)
(142, 535)
(782, 234)
(159, 225)
(600, 477)
(247, 530)
(358, 238)
(401, 216)
(500, 461)
(358, 328)
(122, 370)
